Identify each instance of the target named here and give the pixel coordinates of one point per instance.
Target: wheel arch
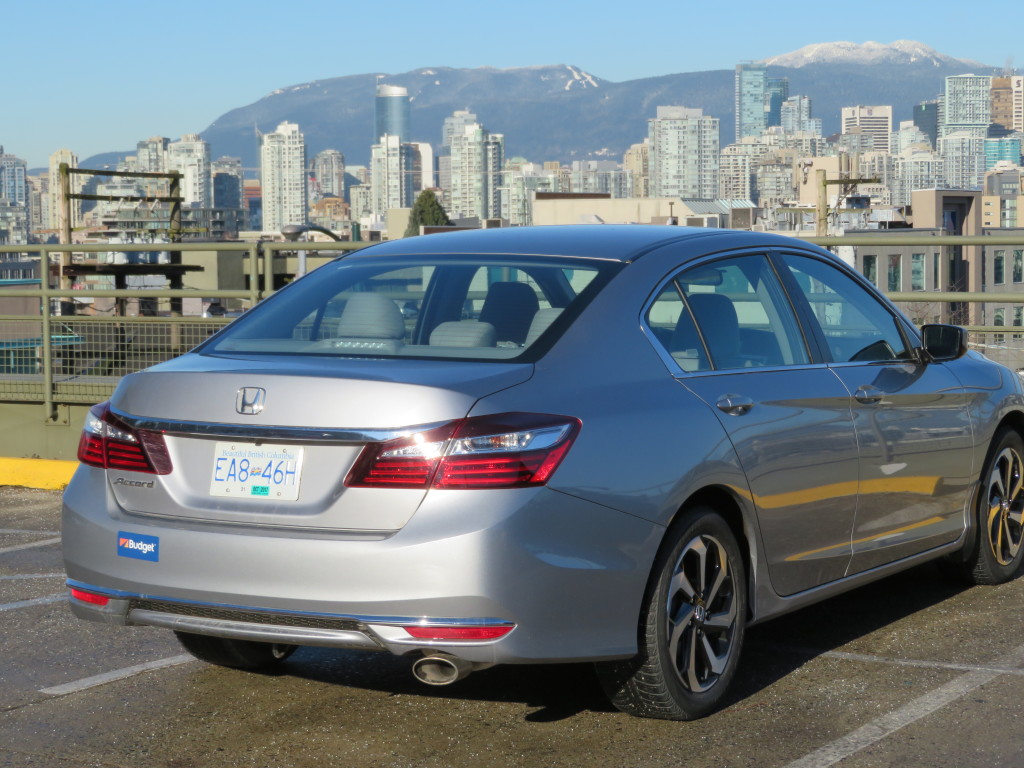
(1012, 420)
(724, 504)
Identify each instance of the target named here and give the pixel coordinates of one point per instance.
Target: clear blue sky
(96, 77)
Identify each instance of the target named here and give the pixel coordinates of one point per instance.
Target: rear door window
(727, 314)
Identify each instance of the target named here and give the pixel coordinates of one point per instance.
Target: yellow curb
(47, 474)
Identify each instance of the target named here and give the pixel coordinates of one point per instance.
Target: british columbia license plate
(249, 471)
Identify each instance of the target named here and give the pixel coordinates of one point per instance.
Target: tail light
(506, 450)
(109, 443)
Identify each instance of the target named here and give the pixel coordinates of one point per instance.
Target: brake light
(109, 443)
(506, 450)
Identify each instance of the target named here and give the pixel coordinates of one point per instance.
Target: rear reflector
(505, 450)
(89, 597)
(458, 633)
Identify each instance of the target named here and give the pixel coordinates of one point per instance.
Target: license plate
(249, 471)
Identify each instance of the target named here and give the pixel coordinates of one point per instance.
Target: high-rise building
(1008, 102)
(684, 159)
(1002, 103)
(227, 181)
(909, 136)
(390, 175)
(329, 172)
(776, 94)
(635, 162)
(926, 117)
(963, 153)
(422, 166)
(391, 112)
(795, 116)
(737, 179)
(1017, 97)
(190, 156)
(1006, 149)
(477, 157)
(875, 122)
(151, 155)
(751, 92)
(521, 184)
(600, 176)
(13, 183)
(56, 216)
(967, 106)
(283, 177)
(455, 124)
(915, 169)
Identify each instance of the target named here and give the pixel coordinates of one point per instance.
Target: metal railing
(54, 359)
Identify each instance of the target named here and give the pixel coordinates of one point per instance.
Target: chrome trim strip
(272, 432)
(421, 621)
(263, 633)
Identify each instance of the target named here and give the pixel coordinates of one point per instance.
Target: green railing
(52, 358)
(56, 359)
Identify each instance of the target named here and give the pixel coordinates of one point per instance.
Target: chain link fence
(88, 356)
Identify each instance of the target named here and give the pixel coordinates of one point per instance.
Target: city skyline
(50, 108)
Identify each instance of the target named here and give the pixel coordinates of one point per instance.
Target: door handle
(868, 395)
(734, 405)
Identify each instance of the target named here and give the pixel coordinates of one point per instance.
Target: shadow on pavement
(560, 691)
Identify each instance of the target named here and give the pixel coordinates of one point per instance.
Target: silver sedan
(621, 445)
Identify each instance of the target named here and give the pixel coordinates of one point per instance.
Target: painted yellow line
(48, 474)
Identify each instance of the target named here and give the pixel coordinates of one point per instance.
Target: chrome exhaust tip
(441, 669)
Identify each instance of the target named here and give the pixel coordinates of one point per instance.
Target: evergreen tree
(427, 210)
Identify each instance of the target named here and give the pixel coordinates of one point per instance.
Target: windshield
(448, 307)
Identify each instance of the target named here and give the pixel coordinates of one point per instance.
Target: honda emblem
(250, 400)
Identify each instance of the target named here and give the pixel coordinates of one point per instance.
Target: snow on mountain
(844, 52)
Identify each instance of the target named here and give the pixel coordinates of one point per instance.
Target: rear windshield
(445, 307)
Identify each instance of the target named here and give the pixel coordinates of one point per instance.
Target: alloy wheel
(1006, 506)
(702, 611)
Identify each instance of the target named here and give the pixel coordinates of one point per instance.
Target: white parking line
(883, 726)
(872, 659)
(18, 547)
(19, 576)
(924, 664)
(117, 674)
(36, 601)
(26, 530)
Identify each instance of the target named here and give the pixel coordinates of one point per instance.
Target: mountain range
(562, 112)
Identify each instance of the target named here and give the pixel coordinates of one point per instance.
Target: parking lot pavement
(911, 671)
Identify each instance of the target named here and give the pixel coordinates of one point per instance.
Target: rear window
(445, 307)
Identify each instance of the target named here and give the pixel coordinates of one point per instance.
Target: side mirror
(943, 342)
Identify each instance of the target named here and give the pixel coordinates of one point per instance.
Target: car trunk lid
(254, 443)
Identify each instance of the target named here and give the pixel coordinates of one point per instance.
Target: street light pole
(292, 233)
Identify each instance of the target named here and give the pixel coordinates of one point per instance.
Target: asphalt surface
(911, 671)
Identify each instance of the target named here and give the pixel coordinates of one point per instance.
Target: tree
(427, 210)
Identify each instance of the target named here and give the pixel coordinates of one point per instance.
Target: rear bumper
(370, 633)
(568, 576)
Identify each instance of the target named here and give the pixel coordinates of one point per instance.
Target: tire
(237, 654)
(691, 626)
(999, 513)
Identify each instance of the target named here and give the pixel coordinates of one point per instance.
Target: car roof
(594, 241)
